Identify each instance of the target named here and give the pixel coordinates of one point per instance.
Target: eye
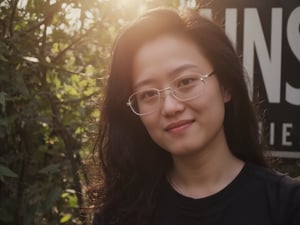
(187, 81)
(147, 95)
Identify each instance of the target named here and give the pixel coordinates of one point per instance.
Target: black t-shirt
(257, 196)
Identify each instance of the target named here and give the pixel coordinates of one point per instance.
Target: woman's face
(180, 127)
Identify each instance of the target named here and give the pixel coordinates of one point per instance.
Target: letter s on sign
(292, 95)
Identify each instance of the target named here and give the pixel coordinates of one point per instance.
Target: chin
(183, 150)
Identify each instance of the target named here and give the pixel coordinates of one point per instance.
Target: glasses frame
(203, 78)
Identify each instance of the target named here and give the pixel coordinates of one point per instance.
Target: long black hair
(133, 165)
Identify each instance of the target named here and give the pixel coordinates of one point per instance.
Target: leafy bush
(54, 57)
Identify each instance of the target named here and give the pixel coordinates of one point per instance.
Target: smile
(179, 126)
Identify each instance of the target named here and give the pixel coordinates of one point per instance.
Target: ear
(226, 96)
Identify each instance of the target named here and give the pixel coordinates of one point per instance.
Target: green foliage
(6, 172)
(54, 57)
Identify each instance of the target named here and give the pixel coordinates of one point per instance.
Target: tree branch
(71, 144)
(74, 42)
(12, 16)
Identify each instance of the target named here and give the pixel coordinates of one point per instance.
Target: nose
(170, 105)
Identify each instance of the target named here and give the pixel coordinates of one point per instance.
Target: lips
(178, 126)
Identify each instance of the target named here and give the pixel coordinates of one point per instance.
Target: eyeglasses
(183, 88)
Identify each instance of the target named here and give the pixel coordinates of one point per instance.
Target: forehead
(165, 57)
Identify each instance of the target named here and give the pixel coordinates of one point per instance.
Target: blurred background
(54, 58)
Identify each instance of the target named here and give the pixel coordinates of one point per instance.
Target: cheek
(152, 125)
(208, 109)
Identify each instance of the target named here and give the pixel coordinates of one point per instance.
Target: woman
(179, 140)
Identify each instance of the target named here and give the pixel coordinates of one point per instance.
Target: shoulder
(282, 192)
(272, 177)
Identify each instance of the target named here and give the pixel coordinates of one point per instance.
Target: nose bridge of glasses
(163, 91)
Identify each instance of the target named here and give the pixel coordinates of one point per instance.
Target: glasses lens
(145, 101)
(188, 87)
(184, 88)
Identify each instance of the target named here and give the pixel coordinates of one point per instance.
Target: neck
(205, 173)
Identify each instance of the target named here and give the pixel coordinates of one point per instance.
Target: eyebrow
(183, 68)
(173, 72)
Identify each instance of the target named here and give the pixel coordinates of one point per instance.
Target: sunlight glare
(187, 3)
(22, 4)
(130, 4)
